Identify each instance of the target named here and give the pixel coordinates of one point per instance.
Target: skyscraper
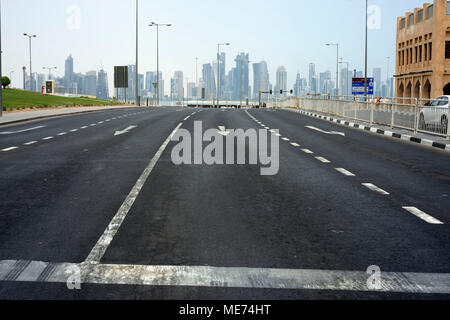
(222, 72)
(241, 77)
(281, 82)
(260, 80)
(177, 87)
(68, 75)
(311, 82)
(209, 81)
(377, 79)
(102, 85)
(91, 83)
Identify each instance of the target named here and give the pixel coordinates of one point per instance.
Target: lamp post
(31, 70)
(49, 71)
(365, 61)
(218, 69)
(337, 65)
(196, 79)
(157, 25)
(138, 102)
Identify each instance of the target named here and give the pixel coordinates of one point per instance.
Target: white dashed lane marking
(422, 215)
(376, 189)
(295, 144)
(62, 134)
(345, 172)
(10, 149)
(307, 151)
(48, 138)
(29, 143)
(322, 159)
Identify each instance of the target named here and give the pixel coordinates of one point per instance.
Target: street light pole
(138, 103)
(218, 70)
(31, 70)
(365, 63)
(196, 80)
(157, 25)
(337, 66)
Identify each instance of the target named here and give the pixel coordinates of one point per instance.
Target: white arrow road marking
(118, 133)
(326, 132)
(20, 131)
(223, 131)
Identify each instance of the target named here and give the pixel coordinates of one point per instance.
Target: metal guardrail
(418, 115)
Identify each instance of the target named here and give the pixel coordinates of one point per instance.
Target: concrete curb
(425, 142)
(59, 115)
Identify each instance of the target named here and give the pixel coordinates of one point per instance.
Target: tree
(5, 82)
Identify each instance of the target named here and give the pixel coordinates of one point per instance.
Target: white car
(434, 115)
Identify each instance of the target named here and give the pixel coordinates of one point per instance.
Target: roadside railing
(417, 115)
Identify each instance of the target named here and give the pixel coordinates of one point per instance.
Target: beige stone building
(423, 52)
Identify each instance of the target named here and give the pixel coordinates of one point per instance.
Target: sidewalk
(21, 116)
(428, 140)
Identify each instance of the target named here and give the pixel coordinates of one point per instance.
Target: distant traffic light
(271, 91)
(292, 91)
(281, 91)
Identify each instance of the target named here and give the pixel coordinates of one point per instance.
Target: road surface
(99, 193)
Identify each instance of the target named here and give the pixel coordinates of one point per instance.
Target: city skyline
(77, 37)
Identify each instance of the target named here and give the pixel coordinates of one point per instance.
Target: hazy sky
(292, 33)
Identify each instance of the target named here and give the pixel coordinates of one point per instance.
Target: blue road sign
(358, 86)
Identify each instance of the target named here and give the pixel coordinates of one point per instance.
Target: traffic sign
(358, 86)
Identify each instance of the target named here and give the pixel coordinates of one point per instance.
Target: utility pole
(49, 71)
(337, 66)
(24, 69)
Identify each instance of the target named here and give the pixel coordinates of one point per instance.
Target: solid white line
(103, 243)
(209, 277)
(29, 143)
(345, 172)
(48, 138)
(321, 159)
(375, 189)
(422, 215)
(307, 151)
(10, 149)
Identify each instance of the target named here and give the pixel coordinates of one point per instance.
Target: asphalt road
(71, 190)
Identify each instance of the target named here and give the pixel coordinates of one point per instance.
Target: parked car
(434, 115)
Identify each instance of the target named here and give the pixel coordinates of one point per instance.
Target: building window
(420, 16)
(431, 52)
(420, 53)
(416, 54)
(448, 8)
(426, 52)
(411, 56)
(410, 20)
(430, 11)
(403, 23)
(447, 49)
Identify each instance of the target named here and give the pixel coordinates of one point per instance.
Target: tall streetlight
(138, 102)
(31, 70)
(49, 71)
(346, 76)
(218, 70)
(365, 62)
(196, 79)
(157, 25)
(337, 66)
(1, 87)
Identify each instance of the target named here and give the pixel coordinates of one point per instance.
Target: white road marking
(103, 243)
(285, 139)
(62, 134)
(345, 172)
(118, 133)
(93, 125)
(100, 122)
(29, 143)
(222, 131)
(74, 130)
(20, 131)
(10, 149)
(187, 118)
(322, 159)
(295, 144)
(326, 132)
(307, 151)
(84, 127)
(209, 277)
(278, 135)
(422, 215)
(376, 189)
(48, 138)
